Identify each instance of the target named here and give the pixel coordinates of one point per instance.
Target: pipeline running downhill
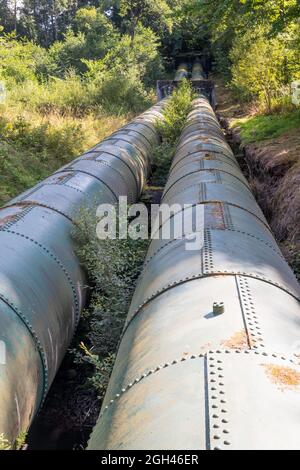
(42, 284)
(208, 355)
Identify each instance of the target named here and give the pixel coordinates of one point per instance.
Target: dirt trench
(272, 168)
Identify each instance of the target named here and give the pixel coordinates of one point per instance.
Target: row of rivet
(39, 346)
(207, 155)
(147, 374)
(207, 252)
(213, 375)
(33, 203)
(101, 162)
(70, 168)
(98, 155)
(16, 218)
(249, 314)
(226, 221)
(200, 149)
(200, 276)
(218, 420)
(61, 265)
(130, 193)
(216, 172)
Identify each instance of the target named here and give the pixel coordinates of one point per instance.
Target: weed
(175, 112)
(258, 128)
(113, 267)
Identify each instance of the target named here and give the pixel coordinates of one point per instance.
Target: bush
(20, 60)
(175, 112)
(263, 68)
(113, 267)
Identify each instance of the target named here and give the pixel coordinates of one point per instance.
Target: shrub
(263, 68)
(175, 112)
(20, 60)
(113, 267)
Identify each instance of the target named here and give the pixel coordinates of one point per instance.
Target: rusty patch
(208, 156)
(237, 341)
(283, 377)
(23, 204)
(8, 218)
(214, 217)
(63, 177)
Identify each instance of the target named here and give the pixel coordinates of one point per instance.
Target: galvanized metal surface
(209, 356)
(42, 285)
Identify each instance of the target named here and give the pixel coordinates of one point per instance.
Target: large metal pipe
(42, 285)
(197, 70)
(207, 356)
(181, 72)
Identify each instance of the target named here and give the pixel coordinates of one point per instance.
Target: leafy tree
(258, 69)
(151, 13)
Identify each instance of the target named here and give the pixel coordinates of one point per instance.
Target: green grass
(258, 128)
(33, 146)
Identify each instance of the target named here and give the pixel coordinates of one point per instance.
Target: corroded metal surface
(209, 355)
(42, 285)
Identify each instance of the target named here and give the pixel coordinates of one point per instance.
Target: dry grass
(95, 126)
(33, 145)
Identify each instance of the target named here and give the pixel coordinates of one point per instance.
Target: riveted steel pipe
(207, 356)
(181, 72)
(197, 70)
(42, 286)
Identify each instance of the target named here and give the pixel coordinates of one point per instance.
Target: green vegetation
(113, 267)
(258, 128)
(18, 445)
(175, 112)
(4, 443)
(65, 98)
(170, 128)
(33, 146)
(255, 44)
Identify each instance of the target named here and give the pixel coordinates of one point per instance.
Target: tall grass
(34, 145)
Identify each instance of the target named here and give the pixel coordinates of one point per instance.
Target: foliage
(255, 43)
(102, 368)
(18, 445)
(33, 146)
(257, 128)
(175, 112)
(258, 71)
(20, 59)
(92, 67)
(4, 443)
(113, 267)
(20, 440)
(162, 156)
